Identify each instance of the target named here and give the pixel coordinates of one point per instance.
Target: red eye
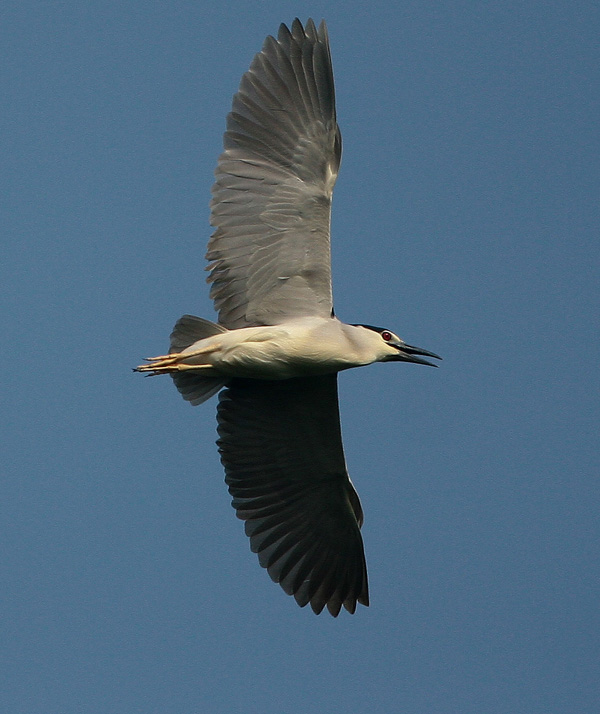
(387, 336)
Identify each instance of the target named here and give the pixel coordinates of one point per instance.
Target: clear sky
(465, 218)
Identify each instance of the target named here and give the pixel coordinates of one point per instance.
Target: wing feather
(269, 255)
(280, 444)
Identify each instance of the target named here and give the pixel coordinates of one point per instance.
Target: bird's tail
(193, 387)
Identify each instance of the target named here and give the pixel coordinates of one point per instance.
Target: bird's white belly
(278, 352)
(276, 360)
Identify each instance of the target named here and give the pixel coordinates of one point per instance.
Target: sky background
(465, 218)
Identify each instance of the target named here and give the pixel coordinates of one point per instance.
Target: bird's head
(388, 347)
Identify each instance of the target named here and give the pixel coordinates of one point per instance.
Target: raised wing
(270, 256)
(281, 446)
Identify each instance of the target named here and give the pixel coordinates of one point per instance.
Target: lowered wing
(281, 446)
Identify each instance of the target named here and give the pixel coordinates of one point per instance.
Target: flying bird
(276, 350)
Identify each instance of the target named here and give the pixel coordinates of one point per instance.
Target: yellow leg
(166, 369)
(174, 362)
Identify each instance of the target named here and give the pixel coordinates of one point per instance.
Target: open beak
(408, 353)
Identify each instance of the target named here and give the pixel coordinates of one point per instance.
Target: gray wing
(270, 256)
(281, 446)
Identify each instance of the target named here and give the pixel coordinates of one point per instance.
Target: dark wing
(281, 446)
(270, 256)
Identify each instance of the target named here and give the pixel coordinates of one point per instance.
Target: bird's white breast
(302, 347)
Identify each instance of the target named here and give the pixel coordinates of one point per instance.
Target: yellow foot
(174, 362)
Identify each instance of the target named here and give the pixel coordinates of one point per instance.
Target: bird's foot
(174, 362)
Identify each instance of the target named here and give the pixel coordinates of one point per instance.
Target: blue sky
(465, 219)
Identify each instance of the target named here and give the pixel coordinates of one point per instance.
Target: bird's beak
(408, 353)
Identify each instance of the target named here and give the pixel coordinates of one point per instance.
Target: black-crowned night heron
(278, 346)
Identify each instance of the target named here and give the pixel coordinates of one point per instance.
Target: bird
(275, 352)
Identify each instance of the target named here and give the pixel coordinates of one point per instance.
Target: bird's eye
(387, 336)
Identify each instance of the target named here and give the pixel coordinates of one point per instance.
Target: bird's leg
(174, 362)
